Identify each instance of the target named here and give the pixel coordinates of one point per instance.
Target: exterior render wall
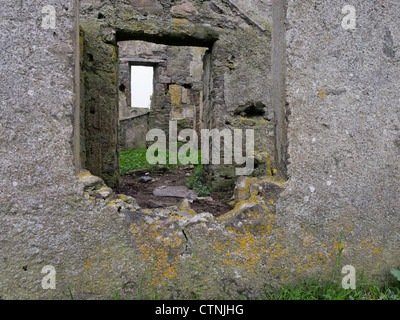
(343, 128)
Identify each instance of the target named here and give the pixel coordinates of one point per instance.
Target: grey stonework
(177, 92)
(335, 97)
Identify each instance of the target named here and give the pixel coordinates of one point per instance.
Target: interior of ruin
(199, 81)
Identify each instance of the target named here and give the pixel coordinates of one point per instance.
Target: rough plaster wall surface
(38, 184)
(133, 133)
(37, 97)
(258, 11)
(343, 133)
(43, 220)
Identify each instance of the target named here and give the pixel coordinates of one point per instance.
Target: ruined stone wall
(238, 76)
(178, 87)
(342, 111)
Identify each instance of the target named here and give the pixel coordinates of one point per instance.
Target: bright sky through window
(141, 86)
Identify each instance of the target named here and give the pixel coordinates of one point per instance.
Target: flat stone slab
(145, 179)
(176, 192)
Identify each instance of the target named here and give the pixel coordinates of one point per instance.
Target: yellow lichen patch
(113, 204)
(316, 256)
(247, 249)
(322, 94)
(176, 95)
(247, 254)
(87, 264)
(219, 247)
(275, 253)
(276, 180)
(371, 247)
(262, 229)
(183, 209)
(339, 246)
(84, 174)
(308, 239)
(241, 204)
(157, 250)
(243, 187)
(178, 21)
(105, 191)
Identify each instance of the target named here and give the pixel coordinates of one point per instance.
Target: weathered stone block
(184, 10)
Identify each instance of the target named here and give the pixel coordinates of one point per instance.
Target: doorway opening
(158, 84)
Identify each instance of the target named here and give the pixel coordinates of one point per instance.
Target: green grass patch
(314, 289)
(136, 159)
(133, 160)
(195, 182)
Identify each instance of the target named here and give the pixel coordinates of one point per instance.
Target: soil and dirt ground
(141, 184)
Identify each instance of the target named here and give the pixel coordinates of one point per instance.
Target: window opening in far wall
(141, 86)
